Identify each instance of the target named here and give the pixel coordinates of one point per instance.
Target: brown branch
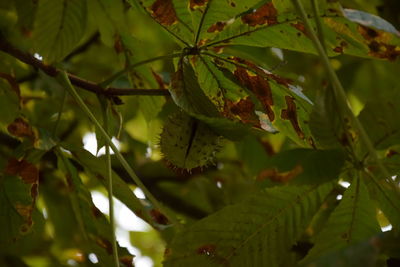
(52, 71)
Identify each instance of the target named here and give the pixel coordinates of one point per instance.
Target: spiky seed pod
(188, 143)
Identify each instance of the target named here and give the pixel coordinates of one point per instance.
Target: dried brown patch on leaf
(280, 177)
(368, 33)
(202, 42)
(339, 49)
(197, 3)
(208, 249)
(164, 12)
(29, 174)
(96, 212)
(217, 27)
(159, 80)
(25, 211)
(21, 128)
(300, 27)
(266, 14)
(268, 147)
(390, 153)
(244, 109)
(384, 51)
(218, 49)
(377, 42)
(282, 81)
(279, 80)
(290, 113)
(260, 87)
(104, 243)
(311, 141)
(158, 217)
(118, 46)
(127, 260)
(27, 171)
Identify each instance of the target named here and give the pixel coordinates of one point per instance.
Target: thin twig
(134, 65)
(90, 86)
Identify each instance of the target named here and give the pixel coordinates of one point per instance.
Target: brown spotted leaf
(208, 18)
(275, 24)
(244, 92)
(18, 192)
(173, 15)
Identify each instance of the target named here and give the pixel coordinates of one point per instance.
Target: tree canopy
(243, 133)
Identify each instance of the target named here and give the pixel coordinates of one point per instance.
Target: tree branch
(27, 58)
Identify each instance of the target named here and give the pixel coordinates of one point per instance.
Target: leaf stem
(115, 76)
(74, 205)
(339, 90)
(63, 77)
(64, 94)
(104, 105)
(320, 30)
(201, 23)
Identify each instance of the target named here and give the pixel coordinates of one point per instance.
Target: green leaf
(326, 126)
(143, 77)
(9, 103)
(387, 199)
(253, 154)
(353, 221)
(384, 113)
(59, 26)
(187, 94)
(305, 166)
(363, 253)
(26, 11)
(150, 244)
(107, 16)
(256, 232)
